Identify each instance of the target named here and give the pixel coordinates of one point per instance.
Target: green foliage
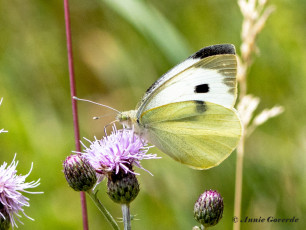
(120, 49)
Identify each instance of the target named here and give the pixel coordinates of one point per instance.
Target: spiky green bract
(79, 173)
(208, 209)
(122, 187)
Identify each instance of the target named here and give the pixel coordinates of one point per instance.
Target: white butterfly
(188, 113)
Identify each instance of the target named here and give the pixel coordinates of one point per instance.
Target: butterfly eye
(121, 117)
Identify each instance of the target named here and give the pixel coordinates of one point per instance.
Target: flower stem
(74, 105)
(126, 216)
(238, 181)
(102, 209)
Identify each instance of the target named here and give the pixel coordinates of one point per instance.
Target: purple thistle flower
(11, 186)
(120, 150)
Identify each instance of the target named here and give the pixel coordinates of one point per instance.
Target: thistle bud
(208, 208)
(122, 187)
(79, 173)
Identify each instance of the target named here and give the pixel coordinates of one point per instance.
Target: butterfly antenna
(96, 118)
(80, 99)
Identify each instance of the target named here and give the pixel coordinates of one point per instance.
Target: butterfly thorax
(127, 118)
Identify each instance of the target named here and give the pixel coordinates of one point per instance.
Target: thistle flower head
(79, 173)
(120, 150)
(208, 209)
(11, 186)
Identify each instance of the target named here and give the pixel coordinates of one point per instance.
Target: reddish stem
(74, 104)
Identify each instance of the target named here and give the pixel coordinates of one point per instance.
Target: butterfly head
(127, 118)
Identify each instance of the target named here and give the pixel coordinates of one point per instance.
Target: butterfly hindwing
(196, 133)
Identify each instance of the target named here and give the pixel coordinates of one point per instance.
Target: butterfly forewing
(208, 75)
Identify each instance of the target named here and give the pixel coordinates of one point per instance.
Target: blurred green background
(120, 49)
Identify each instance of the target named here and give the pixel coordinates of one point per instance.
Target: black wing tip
(214, 50)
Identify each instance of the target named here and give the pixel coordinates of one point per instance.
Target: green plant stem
(104, 211)
(126, 216)
(238, 180)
